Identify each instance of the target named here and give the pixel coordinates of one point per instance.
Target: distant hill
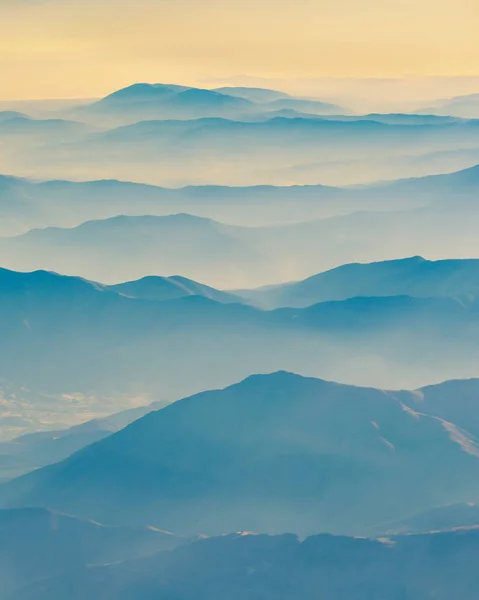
(253, 94)
(134, 247)
(159, 101)
(20, 126)
(404, 277)
(26, 204)
(144, 101)
(442, 518)
(145, 92)
(436, 188)
(171, 288)
(314, 107)
(324, 455)
(461, 106)
(399, 118)
(34, 450)
(215, 146)
(6, 115)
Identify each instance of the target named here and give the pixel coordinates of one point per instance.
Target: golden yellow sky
(86, 48)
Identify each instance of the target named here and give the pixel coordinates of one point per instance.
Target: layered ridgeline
(274, 453)
(239, 566)
(175, 135)
(26, 204)
(19, 128)
(45, 315)
(229, 152)
(229, 256)
(88, 349)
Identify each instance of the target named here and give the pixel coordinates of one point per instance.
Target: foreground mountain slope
(440, 566)
(36, 544)
(325, 455)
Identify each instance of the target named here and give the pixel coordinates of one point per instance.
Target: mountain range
(220, 149)
(86, 348)
(225, 256)
(26, 204)
(144, 101)
(178, 135)
(248, 318)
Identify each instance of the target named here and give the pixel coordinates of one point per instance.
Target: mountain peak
(143, 91)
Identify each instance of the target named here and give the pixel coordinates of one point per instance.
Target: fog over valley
(239, 314)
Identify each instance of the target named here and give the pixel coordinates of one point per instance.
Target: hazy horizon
(361, 94)
(53, 49)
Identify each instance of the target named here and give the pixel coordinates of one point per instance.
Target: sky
(87, 48)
